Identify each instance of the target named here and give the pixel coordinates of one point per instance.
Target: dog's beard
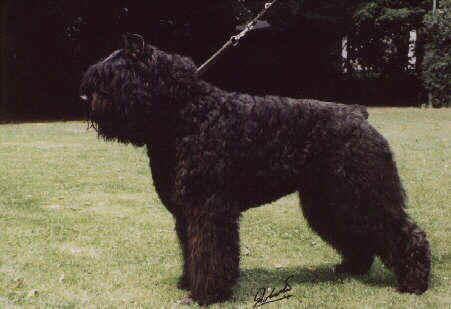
(105, 122)
(112, 122)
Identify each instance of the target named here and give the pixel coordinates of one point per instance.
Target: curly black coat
(214, 154)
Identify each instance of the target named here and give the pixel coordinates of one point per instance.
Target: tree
(381, 32)
(437, 59)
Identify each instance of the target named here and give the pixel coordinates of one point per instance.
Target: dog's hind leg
(213, 245)
(358, 207)
(348, 237)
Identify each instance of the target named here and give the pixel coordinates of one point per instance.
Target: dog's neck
(174, 78)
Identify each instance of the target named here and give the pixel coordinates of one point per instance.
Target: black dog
(215, 154)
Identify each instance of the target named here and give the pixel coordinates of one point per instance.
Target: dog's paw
(417, 288)
(187, 301)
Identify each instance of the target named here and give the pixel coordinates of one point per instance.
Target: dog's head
(117, 92)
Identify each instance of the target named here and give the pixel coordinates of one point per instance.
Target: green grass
(82, 227)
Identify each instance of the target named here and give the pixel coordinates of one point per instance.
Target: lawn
(82, 227)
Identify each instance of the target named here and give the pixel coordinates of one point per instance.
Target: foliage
(437, 60)
(378, 31)
(44, 54)
(381, 34)
(377, 41)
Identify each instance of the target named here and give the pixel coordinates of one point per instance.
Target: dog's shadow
(251, 280)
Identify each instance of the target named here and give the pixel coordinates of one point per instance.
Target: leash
(234, 40)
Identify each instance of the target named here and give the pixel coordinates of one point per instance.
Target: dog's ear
(133, 44)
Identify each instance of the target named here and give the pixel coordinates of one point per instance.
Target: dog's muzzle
(94, 101)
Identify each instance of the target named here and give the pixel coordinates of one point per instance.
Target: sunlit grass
(82, 227)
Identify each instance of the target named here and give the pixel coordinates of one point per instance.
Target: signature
(261, 298)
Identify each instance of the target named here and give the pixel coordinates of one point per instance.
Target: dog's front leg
(180, 228)
(213, 245)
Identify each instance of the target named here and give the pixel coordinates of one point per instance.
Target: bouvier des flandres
(214, 154)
